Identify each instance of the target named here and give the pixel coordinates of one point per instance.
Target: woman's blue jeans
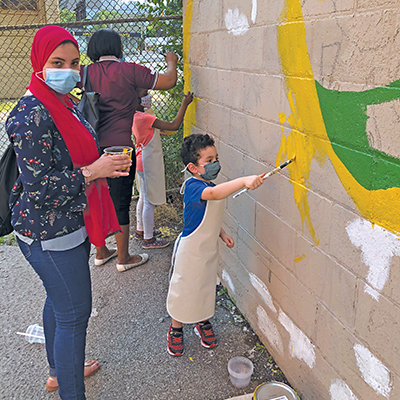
(66, 278)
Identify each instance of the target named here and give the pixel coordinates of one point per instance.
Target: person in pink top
(150, 166)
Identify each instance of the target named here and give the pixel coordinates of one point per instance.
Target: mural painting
(345, 112)
(335, 124)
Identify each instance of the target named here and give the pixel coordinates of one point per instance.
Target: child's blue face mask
(211, 171)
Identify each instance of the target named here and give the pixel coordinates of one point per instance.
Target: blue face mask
(211, 171)
(62, 80)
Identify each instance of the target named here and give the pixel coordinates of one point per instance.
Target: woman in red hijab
(64, 204)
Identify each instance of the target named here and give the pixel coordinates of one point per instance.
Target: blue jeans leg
(66, 278)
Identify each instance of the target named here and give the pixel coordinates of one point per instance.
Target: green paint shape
(345, 117)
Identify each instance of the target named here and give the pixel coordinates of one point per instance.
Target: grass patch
(8, 240)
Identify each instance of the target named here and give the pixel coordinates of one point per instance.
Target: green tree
(104, 15)
(172, 30)
(67, 15)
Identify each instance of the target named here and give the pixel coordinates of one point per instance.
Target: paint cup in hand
(114, 150)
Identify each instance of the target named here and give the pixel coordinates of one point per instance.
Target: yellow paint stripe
(190, 115)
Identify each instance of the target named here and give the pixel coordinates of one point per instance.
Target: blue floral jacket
(53, 197)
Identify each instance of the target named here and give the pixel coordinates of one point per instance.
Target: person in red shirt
(117, 83)
(150, 166)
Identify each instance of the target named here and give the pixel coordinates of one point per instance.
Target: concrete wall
(15, 45)
(315, 267)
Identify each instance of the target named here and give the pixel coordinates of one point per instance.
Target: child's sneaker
(205, 331)
(175, 342)
(156, 233)
(157, 243)
(138, 236)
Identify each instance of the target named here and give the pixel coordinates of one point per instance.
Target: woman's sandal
(51, 384)
(91, 366)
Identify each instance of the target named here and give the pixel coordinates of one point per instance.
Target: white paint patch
(378, 246)
(340, 391)
(236, 22)
(372, 292)
(253, 11)
(300, 346)
(262, 290)
(374, 373)
(227, 279)
(269, 330)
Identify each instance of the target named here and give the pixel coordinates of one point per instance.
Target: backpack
(89, 104)
(8, 175)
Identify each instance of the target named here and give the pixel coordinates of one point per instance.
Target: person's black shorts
(121, 192)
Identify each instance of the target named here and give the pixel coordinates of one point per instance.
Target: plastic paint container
(274, 391)
(35, 334)
(115, 150)
(240, 371)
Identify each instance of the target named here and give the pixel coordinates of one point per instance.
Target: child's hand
(228, 240)
(188, 98)
(253, 181)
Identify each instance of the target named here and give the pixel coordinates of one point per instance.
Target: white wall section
(373, 371)
(300, 346)
(262, 290)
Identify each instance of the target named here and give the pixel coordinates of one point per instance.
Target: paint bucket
(274, 391)
(240, 371)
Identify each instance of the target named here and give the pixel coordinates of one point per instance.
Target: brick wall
(316, 256)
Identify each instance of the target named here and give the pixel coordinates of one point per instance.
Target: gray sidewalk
(127, 334)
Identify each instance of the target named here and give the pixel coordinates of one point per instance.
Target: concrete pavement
(127, 334)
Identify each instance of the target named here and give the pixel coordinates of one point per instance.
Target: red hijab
(100, 218)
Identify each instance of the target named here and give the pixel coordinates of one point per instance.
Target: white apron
(153, 169)
(191, 296)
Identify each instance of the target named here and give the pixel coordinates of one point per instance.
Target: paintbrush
(274, 171)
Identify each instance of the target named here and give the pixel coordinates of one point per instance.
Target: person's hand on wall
(188, 98)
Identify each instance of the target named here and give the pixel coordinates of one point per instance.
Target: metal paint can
(274, 391)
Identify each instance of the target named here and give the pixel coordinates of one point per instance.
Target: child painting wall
(315, 266)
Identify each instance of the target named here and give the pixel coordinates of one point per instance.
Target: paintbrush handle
(239, 193)
(274, 171)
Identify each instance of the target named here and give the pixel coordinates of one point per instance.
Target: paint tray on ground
(274, 391)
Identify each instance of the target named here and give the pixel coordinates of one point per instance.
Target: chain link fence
(143, 42)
